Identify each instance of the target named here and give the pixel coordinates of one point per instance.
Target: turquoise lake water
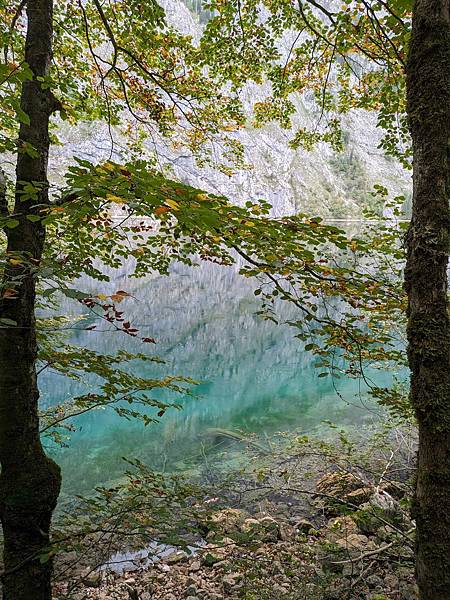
(255, 376)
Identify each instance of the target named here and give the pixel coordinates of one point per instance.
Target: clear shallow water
(255, 376)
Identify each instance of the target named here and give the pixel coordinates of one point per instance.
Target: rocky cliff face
(323, 182)
(320, 182)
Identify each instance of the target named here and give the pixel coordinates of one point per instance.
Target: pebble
(191, 591)
(175, 557)
(163, 567)
(409, 591)
(374, 581)
(230, 581)
(303, 525)
(93, 580)
(195, 565)
(391, 581)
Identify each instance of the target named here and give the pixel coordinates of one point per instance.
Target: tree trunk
(29, 481)
(428, 241)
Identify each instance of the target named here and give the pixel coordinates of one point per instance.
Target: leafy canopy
(123, 64)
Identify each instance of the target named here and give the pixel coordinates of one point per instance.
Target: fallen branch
(371, 553)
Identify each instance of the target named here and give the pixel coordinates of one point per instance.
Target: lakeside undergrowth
(309, 519)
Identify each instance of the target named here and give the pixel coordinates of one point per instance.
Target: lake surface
(255, 376)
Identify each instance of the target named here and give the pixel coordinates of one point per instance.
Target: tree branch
(4, 212)
(13, 24)
(372, 552)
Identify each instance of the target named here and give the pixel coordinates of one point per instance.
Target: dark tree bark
(428, 241)
(29, 481)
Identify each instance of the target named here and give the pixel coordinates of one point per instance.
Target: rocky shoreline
(342, 536)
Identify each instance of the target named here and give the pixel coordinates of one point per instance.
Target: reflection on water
(255, 375)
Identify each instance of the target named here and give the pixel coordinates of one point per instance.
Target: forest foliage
(123, 65)
(141, 85)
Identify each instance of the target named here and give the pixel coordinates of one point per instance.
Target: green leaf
(8, 322)
(22, 116)
(76, 294)
(12, 223)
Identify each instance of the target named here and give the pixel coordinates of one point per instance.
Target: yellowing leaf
(116, 199)
(174, 205)
(312, 223)
(102, 296)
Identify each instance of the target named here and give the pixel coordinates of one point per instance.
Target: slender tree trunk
(29, 481)
(428, 88)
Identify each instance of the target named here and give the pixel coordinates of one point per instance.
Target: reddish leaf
(117, 297)
(9, 293)
(160, 210)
